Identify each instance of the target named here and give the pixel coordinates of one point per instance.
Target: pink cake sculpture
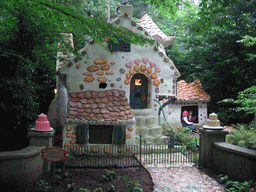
(42, 124)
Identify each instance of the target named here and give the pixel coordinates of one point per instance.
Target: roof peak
(147, 22)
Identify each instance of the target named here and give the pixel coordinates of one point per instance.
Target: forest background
(215, 42)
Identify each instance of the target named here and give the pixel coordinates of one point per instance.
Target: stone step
(146, 120)
(149, 130)
(142, 112)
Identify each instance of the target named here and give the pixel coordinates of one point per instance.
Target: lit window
(138, 82)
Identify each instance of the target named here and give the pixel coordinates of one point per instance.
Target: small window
(103, 85)
(100, 134)
(121, 46)
(194, 109)
(138, 82)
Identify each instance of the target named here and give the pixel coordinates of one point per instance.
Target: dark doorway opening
(139, 91)
(100, 134)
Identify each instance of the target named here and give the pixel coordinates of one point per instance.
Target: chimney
(128, 9)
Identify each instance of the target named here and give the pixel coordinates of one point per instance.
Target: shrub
(243, 136)
(178, 130)
(233, 186)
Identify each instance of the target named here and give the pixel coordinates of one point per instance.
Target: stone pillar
(207, 137)
(41, 138)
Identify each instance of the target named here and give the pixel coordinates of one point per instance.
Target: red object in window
(54, 154)
(112, 85)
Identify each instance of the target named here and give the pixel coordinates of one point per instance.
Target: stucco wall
(121, 66)
(174, 111)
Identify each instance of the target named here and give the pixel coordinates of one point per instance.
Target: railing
(102, 156)
(150, 151)
(166, 151)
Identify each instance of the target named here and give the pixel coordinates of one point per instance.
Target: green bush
(178, 130)
(243, 136)
(236, 186)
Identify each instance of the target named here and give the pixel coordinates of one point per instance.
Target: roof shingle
(147, 23)
(109, 105)
(191, 91)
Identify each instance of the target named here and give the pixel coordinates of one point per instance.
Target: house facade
(108, 97)
(190, 96)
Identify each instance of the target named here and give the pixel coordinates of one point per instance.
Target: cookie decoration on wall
(157, 69)
(93, 68)
(128, 75)
(136, 68)
(140, 28)
(117, 21)
(89, 79)
(127, 82)
(145, 60)
(149, 70)
(153, 76)
(122, 71)
(105, 67)
(166, 59)
(156, 82)
(100, 73)
(132, 72)
(110, 73)
(81, 87)
(100, 61)
(129, 65)
(101, 79)
(143, 68)
(69, 64)
(137, 61)
(152, 64)
(88, 74)
(176, 73)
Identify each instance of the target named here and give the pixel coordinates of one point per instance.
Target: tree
(246, 102)
(30, 31)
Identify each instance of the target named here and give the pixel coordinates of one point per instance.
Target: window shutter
(119, 135)
(113, 46)
(82, 131)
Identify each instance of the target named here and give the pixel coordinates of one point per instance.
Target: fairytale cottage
(108, 97)
(190, 96)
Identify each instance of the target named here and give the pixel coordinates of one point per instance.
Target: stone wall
(237, 162)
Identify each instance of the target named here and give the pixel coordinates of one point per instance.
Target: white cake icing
(213, 120)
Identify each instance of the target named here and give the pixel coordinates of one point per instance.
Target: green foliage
(180, 136)
(29, 34)
(242, 136)
(110, 176)
(236, 186)
(245, 102)
(43, 186)
(131, 186)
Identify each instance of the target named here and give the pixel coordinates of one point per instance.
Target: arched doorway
(139, 91)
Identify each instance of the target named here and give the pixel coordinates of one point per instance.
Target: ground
(92, 178)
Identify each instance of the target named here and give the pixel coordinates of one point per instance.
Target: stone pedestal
(207, 137)
(38, 138)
